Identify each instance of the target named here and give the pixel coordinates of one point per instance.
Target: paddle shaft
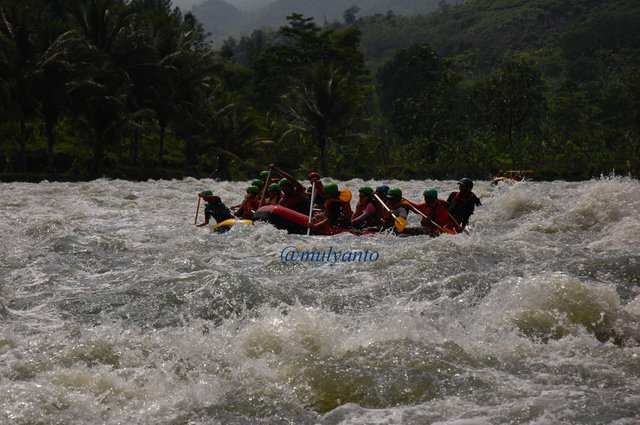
(417, 211)
(457, 223)
(195, 220)
(313, 197)
(265, 188)
(399, 224)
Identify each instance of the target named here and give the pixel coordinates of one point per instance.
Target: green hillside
(478, 33)
(217, 20)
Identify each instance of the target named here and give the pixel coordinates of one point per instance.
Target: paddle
(442, 229)
(313, 198)
(458, 226)
(400, 222)
(266, 188)
(195, 220)
(345, 195)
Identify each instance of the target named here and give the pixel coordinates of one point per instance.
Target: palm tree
(100, 92)
(54, 70)
(19, 25)
(324, 102)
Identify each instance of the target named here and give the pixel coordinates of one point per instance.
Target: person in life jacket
(260, 185)
(336, 211)
(249, 204)
(294, 193)
(463, 203)
(365, 215)
(273, 195)
(293, 196)
(273, 177)
(381, 212)
(398, 206)
(314, 179)
(214, 208)
(437, 219)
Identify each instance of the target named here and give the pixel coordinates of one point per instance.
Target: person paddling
(398, 209)
(435, 216)
(336, 211)
(273, 195)
(249, 204)
(381, 212)
(365, 215)
(261, 187)
(462, 203)
(214, 208)
(314, 179)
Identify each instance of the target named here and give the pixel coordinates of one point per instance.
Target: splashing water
(115, 309)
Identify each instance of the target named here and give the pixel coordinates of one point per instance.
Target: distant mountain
(249, 4)
(185, 5)
(249, 15)
(219, 17)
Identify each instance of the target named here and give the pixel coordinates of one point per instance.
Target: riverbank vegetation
(133, 90)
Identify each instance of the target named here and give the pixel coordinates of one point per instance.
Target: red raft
(295, 222)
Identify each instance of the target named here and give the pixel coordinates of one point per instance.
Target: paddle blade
(345, 195)
(401, 223)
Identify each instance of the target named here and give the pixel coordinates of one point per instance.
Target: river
(116, 309)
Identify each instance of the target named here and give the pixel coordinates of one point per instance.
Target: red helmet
(314, 175)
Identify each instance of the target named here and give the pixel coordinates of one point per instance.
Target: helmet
(264, 174)
(331, 189)
(257, 183)
(314, 175)
(395, 192)
(366, 190)
(467, 183)
(284, 181)
(430, 193)
(206, 193)
(253, 189)
(274, 186)
(382, 189)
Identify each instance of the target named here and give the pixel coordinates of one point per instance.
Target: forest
(136, 90)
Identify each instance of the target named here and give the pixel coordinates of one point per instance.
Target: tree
(100, 92)
(20, 23)
(54, 71)
(510, 101)
(417, 95)
(324, 102)
(318, 77)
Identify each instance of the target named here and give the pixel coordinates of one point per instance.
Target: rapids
(116, 309)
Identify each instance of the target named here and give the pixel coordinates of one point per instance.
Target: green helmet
(257, 183)
(331, 189)
(284, 181)
(264, 174)
(253, 189)
(395, 192)
(366, 190)
(430, 193)
(274, 186)
(206, 193)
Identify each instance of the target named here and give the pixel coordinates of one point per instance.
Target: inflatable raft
(294, 222)
(225, 226)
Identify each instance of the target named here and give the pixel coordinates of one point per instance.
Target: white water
(115, 309)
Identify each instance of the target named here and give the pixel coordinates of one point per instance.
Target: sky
(185, 5)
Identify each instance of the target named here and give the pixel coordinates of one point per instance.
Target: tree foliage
(134, 89)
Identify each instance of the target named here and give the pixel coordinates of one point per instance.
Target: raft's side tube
(282, 218)
(294, 222)
(225, 226)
